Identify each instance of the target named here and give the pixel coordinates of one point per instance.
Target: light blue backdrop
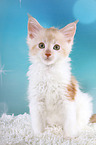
(14, 50)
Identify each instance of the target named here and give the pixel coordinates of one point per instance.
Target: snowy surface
(16, 130)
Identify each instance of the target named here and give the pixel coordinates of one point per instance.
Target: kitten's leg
(70, 127)
(37, 112)
(84, 108)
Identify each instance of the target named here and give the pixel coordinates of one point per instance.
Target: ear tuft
(33, 26)
(69, 31)
(29, 15)
(76, 22)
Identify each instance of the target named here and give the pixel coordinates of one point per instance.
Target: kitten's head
(49, 45)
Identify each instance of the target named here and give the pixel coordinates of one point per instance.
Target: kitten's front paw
(38, 130)
(71, 133)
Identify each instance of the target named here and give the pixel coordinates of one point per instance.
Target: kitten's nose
(48, 54)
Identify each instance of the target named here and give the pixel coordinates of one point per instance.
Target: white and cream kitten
(53, 93)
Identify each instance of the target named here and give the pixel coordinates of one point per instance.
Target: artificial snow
(16, 130)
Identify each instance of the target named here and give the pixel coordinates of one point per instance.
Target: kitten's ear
(33, 26)
(69, 31)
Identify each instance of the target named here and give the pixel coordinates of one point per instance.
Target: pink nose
(48, 54)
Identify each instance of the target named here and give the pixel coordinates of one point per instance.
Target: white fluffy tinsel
(16, 130)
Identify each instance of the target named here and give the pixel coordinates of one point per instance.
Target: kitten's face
(48, 46)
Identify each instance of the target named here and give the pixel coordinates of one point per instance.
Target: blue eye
(41, 45)
(56, 47)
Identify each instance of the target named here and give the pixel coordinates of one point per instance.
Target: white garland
(16, 130)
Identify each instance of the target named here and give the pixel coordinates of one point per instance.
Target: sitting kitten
(54, 94)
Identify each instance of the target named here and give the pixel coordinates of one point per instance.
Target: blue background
(14, 50)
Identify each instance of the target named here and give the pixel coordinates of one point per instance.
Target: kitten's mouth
(48, 59)
(47, 62)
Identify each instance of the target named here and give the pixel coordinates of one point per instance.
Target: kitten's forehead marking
(50, 34)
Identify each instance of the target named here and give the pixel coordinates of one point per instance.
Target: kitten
(53, 93)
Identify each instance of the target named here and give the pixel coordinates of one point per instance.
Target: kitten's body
(54, 94)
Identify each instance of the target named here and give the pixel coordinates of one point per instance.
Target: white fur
(48, 102)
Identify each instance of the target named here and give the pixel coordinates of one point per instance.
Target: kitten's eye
(41, 45)
(56, 47)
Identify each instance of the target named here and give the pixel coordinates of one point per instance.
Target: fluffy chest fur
(49, 83)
